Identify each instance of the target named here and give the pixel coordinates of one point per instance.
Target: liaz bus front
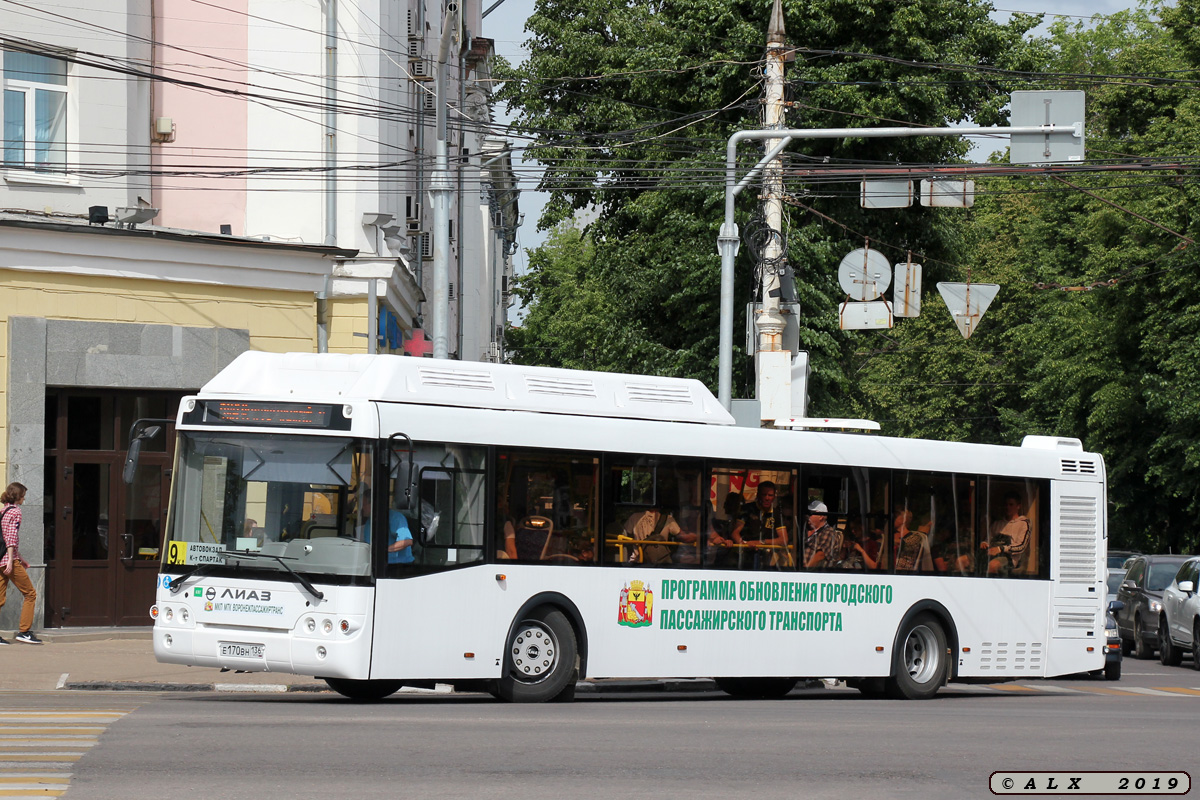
(267, 554)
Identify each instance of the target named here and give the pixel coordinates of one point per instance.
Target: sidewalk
(118, 658)
(122, 659)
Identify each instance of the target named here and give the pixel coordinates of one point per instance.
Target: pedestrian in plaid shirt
(12, 566)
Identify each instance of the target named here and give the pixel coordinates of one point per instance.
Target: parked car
(1179, 624)
(1115, 577)
(1112, 644)
(1117, 558)
(1141, 596)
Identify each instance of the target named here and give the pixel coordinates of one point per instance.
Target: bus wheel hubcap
(534, 651)
(921, 654)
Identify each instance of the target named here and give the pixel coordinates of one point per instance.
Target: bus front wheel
(541, 660)
(920, 664)
(366, 691)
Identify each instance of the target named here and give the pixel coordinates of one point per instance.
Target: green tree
(1096, 332)
(632, 104)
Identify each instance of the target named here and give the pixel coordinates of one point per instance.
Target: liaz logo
(637, 605)
(245, 594)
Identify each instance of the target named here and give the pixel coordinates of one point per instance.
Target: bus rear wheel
(758, 688)
(920, 663)
(541, 660)
(365, 691)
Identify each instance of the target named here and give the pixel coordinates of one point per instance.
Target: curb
(583, 687)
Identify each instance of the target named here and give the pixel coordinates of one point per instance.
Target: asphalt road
(815, 743)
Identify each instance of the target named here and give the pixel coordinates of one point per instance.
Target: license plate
(241, 650)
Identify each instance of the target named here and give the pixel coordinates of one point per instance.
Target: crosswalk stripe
(33, 742)
(1178, 690)
(1151, 692)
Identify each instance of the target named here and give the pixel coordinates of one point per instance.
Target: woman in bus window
(912, 547)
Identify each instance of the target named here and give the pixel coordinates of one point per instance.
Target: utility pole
(772, 363)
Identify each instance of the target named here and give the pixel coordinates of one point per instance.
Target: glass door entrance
(102, 537)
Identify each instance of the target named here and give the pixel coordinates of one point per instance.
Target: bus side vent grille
(457, 379)
(1079, 520)
(1011, 657)
(1071, 466)
(562, 387)
(1077, 620)
(654, 393)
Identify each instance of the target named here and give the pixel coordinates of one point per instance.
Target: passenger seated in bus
(508, 531)
(651, 525)
(759, 527)
(720, 532)
(822, 542)
(859, 551)
(912, 547)
(1008, 539)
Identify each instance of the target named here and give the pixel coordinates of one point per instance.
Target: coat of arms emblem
(637, 605)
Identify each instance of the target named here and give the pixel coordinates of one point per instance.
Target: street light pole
(727, 240)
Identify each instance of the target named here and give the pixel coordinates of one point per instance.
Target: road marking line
(1178, 690)
(1099, 690)
(1151, 692)
(24, 757)
(67, 745)
(264, 688)
(1015, 687)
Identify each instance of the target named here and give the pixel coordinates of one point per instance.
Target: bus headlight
(311, 625)
(184, 615)
(327, 626)
(168, 614)
(320, 652)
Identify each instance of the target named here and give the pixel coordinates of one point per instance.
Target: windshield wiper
(300, 579)
(176, 584)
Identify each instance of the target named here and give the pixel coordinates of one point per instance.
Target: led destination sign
(267, 415)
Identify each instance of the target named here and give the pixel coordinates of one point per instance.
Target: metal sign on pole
(967, 302)
(1062, 109)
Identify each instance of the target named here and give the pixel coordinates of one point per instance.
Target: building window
(35, 112)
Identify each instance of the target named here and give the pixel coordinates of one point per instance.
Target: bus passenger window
(1012, 545)
(653, 515)
(855, 500)
(546, 507)
(754, 518)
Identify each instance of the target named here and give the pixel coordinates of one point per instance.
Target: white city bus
(382, 521)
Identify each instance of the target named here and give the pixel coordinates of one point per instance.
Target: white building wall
(108, 113)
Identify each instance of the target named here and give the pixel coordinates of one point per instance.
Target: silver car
(1179, 624)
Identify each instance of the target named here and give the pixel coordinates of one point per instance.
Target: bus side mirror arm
(140, 431)
(406, 473)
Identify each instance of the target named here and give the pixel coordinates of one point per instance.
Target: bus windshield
(271, 502)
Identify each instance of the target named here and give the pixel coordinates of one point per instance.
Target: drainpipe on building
(440, 189)
(330, 123)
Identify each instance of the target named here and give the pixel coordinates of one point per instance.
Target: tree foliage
(1096, 331)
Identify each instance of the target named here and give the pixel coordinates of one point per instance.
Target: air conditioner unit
(429, 101)
(419, 69)
(426, 246)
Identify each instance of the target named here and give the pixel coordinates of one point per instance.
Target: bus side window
(653, 513)
(547, 508)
